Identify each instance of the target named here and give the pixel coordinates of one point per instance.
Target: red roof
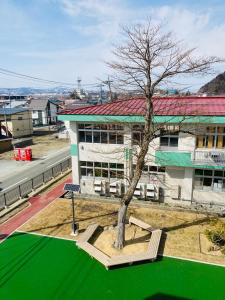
(168, 106)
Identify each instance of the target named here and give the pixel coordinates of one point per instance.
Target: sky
(63, 39)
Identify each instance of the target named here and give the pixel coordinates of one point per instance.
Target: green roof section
(140, 119)
(180, 159)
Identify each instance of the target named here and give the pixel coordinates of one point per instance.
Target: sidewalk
(37, 203)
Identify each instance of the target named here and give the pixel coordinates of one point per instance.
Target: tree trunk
(120, 240)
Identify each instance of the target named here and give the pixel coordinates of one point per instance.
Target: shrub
(216, 234)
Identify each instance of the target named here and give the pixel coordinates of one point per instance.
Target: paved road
(13, 172)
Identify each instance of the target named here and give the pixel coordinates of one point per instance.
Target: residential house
(15, 122)
(185, 163)
(44, 111)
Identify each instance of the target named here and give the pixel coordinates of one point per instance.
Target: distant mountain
(214, 87)
(24, 91)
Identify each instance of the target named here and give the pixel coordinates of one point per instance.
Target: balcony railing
(210, 157)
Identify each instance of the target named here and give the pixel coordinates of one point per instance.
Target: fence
(22, 190)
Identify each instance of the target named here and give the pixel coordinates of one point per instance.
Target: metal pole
(73, 210)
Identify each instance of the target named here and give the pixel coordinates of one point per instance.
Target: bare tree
(148, 58)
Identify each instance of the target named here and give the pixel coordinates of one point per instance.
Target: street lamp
(69, 187)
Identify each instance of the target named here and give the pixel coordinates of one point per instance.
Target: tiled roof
(166, 106)
(12, 111)
(38, 104)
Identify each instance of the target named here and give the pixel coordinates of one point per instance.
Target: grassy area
(35, 267)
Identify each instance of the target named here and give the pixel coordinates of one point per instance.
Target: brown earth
(181, 229)
(42, 146)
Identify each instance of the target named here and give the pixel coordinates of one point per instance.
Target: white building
(44, 111)
(185, 164)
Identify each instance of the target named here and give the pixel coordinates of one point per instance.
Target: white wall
(209, 196)
(186, 142)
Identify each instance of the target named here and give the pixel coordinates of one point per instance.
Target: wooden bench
(87, 234)
(154, 243)
(133, 220)
(128, 259)
(96, 253)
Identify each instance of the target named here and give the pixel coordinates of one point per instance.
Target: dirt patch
(42, 146)
(136, 241)
(181, 230)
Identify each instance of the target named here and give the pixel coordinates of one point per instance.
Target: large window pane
(112, 174)
(88, 137)
(105, 173)
(105, 165)
(81, 136)
(119, 138)
(207, 182)
(208, 172)
(120, 166)
(199, 172)
(136, 138)
(112, 138)
(104, 139)
(89, 172)
(120, 174)
(173, 142)
(218, 173)
(164, 141)
(83, 171)
(98, 173)
(96, 137)
(97, 164)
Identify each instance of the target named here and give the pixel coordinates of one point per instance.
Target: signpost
(70, 187)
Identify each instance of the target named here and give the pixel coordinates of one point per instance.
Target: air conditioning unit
(99, 187)
(152, 192)
(175, 192)
(115, 188)
(140, 191)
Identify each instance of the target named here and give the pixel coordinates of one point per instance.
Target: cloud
(92, 26)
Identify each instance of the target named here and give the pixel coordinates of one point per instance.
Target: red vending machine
(17, 154)
(28, 153)
(22, 154)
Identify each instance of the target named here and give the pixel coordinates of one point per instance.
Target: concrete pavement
(14, 172)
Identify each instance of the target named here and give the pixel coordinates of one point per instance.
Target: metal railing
(212, 157)
(22, 190)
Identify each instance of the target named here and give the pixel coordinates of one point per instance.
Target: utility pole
(108, 82)
(5, 117)
(100, 86)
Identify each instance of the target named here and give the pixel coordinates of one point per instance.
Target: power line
(38, 79)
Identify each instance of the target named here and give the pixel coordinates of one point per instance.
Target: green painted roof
(140, 119)
(180, 159)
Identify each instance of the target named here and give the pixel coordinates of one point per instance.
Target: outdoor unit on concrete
(152, 192)
(115, 188)
(140, 191)
(175, 192)
(99, 186)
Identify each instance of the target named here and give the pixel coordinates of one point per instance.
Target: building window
(137, 134)
(209, 180)
(101, 169)
(152, 169)
(169, 138)
(101, 133)
(213, 138)
(20, 118)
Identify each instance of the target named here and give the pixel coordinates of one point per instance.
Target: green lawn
(34, 267)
